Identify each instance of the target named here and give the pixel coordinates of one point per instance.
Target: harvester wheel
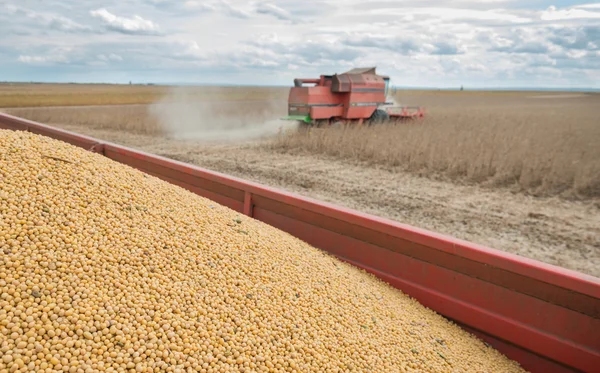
(379, 116)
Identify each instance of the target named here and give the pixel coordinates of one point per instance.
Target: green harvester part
(302, 118)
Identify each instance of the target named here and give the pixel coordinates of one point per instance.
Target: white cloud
(185, 50)
(406, 44)
(450, 14)
(576, 54)
(42, 59)
(224, 7)
(197, 5)
(588, 6)
(554, 14)
(134, 25)
(233, 11)
(274, 10)
(47, 20)
(416, 42)
(55, 55)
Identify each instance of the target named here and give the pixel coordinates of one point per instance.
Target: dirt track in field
(554, 231)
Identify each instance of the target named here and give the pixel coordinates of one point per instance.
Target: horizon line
(397, 87)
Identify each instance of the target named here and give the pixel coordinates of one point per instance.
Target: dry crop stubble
(39, 95)
(125, 118)
(35, 95)
(188, 120)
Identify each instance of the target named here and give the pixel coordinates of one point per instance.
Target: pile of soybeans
(106, 269)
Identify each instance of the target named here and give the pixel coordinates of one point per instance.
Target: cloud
(589, 6)
(135, 25)
(215, 6)
(396, 44)
(69, 56)
(583, 37)
(46, 20)
(308, 52)
(446, 48)
(199, 6)
(43, 59)
(416, 42)
(404, 45)
(553, 41)
(577, 12)
(455, 14)
(275, 11)
(518, 40)
(183, 50)
(233, 11)
(49, 56)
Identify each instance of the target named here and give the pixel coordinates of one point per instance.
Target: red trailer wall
(545, 317)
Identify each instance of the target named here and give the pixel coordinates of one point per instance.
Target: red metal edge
(64, 135)
(548, 343)
(569, 279)
(564, 351)
(417, 279)
(555, 275)
(523, 357)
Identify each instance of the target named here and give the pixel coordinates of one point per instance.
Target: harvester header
(355, 96)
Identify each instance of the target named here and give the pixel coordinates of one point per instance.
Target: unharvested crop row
(540, 153)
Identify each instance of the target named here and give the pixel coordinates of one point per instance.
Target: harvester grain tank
(356, 96)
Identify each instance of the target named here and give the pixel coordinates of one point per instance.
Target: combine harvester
(545, 317)
(357, 96)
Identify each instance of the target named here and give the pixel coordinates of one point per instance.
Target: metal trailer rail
(545, 317)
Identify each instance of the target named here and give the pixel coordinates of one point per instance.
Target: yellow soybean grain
(106, 269)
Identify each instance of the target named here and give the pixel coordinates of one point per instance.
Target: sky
(418, 43)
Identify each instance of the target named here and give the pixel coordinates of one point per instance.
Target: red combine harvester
(356, 96)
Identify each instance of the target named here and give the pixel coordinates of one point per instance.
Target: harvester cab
(356, 96)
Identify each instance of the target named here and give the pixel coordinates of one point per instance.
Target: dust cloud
(183, 115)
(392, 100)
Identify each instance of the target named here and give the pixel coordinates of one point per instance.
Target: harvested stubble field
(41, 95)
(517, 171)
(163, 119)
